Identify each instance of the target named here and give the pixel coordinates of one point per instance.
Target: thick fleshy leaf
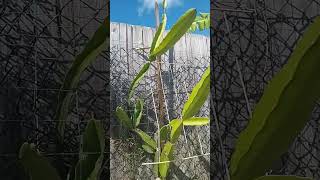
(72, 172)
(205, 15)
(166, 155)
(138, 111)
(164, 4)
(193, 27)
(176, 127)
(148, 149)
(77, 171)
(123, 118)
(198, 96)
(176, 32)
(164, 132)
(146, 138)
(196, 121)
(158, 35)
(201, 22)
(275, 177)
(156, 166)
(137, 79)
(92, 153)
(37, 166)
(95, 46)
(283, 110)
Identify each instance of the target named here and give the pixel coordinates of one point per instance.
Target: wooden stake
(158, 74)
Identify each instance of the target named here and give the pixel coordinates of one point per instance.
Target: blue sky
(141, 12)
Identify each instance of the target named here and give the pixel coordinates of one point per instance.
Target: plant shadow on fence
(251, 41)
(38, 42)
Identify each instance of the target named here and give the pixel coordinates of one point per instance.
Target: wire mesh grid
(250, 41)
(179, 75)
(38, 42)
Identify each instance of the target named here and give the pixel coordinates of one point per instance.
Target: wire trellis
(250, 41)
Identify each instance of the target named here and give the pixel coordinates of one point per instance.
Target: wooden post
(158, 74)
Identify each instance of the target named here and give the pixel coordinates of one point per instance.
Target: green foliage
(198, 96)
(166, 155)
(72, 172)
(164, 131)
(88, 166)
(137, 79)
(283, 110)
(95, 46)
(92, 153)
(36, 165)
(146, 138)
(123, 118)
(173, 36)
(196, 121)
(138, 111)
(156, 166)
(274, 177)
(148, 148)
(164, 4)
(157, 37)
(176, 127)
(201, 22)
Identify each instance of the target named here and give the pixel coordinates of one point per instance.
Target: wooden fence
(130, 37)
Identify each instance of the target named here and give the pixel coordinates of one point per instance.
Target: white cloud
(148, 5)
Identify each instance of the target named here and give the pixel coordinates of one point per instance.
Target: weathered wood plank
(130, 36)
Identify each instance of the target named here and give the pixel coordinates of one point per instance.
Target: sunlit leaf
(283, 110)
(166, 155)
(138, 111)
(164, 4)
(176, 32)
(148, 149)
(193, 27)
(156, 166)
(123, 118)
(146, 138)
(176, 127)
(196, 121)
(37, 166)
(198, 96)
(138, 78)
(201, 22)
(158, 35)
(205, 15)
(164, 132)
